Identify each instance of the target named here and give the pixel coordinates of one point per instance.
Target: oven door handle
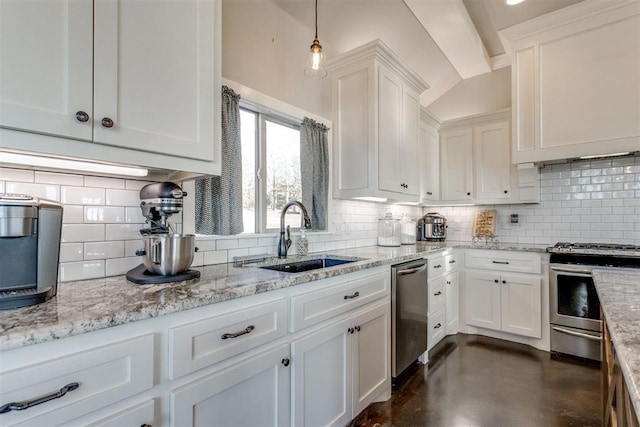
(571, 270)
(577, 334)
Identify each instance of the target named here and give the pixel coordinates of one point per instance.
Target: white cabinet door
(155, 82)
(46, 65)
(371, 354)
(254, 392)
(321, 394)
(140, 414)
(521, 305)
(430, 163)
(409, 177)
(482, 299)
(389, 131)
(451, 283)
(456, 151)
(493, 169)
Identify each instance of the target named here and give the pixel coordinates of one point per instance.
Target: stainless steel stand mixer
(167, 255)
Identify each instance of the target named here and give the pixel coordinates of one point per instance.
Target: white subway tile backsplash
(82, 196)
(131, 246)
(58, 178)
(18, 175)
(215, 257)
(71, 252)
(122, 197)
(133, 184)
(122, 232)
(104, 214)
(70, 271)
(103, 250)
(73, 214)
(227, 244)
(44, 191)
(83, 233)
(134, 215)
(117, 266)
(96, 181)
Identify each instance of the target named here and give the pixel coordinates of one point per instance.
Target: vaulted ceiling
(444, 41)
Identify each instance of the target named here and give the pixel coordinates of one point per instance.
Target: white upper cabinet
(475, 156)
(457, 164)
(46, 67)
(376, 125)
(493, 168)
(575, 82)
(429, 154)
(132, 82)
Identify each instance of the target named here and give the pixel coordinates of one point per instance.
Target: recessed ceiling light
(512, 2)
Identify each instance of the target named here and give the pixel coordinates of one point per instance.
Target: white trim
(504, 114)
(500, 61)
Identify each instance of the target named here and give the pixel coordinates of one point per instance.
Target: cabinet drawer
(314, 307)
(436, 294)
(137, 415)
(437, 267)
(451, 262)
(199, 344)
(437, 328)
(520, 262)
(105, 375)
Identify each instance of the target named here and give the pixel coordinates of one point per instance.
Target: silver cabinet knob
(107, 122)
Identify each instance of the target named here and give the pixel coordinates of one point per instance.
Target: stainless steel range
(576, 328)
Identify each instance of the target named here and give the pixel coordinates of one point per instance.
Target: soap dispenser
(303, 243)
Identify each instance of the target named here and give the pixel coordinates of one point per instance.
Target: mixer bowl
(168, 254)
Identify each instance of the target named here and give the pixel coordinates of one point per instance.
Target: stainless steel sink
(309, 264)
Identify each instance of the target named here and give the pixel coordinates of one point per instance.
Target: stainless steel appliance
(432, 228)
(167, 255)
(30, 231)
(576, 328)
(409, 303)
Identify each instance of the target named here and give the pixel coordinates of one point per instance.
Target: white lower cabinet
(252, 392)
(89, 377)
(232, 363)
(340, 368)
(452, 298)
(506, 302)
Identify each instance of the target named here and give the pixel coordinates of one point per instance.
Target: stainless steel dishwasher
(408, 314)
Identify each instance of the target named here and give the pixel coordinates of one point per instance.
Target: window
(270, 170)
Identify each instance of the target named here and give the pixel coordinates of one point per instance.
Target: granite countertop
(619, 293)
(90, 305)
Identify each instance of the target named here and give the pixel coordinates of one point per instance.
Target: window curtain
(314, 168)
(219, 198)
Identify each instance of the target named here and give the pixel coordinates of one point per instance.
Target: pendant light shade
(315, 66)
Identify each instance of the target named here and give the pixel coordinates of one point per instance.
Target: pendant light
(315, 68)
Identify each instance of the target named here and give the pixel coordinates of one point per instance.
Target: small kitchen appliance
(30, 231)
(574, 307)
(167, 255)
(432, 228)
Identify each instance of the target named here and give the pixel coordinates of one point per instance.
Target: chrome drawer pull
(437, 266)
(577, 334)
(438, 326)
(356, 295)
(26, 404)
(501, 262)
(239, 333)
(437, 293)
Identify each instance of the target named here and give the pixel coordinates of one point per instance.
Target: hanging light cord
(316, 20)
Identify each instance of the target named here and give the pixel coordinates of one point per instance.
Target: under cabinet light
(512, 2)
(372, 199)
(67, 164)
(603, 156)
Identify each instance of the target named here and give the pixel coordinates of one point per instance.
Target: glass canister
(408, 230)
(389, 231)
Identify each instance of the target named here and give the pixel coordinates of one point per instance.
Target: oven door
(572, 298)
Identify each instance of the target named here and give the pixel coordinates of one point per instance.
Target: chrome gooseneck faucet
(283, 244)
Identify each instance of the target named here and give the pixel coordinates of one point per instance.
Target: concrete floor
(477, 381)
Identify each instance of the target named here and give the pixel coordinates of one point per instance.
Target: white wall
(265, 49)
(478, 95)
